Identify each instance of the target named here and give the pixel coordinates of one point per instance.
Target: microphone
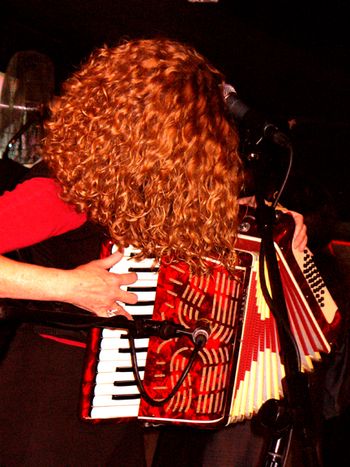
(163, 329)
(257, 127)
(201, 332)
(169, 330)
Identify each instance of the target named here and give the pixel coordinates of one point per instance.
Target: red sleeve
(33, 212)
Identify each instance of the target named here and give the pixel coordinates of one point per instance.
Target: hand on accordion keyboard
(93, 288)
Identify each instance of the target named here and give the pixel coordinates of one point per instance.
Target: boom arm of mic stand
(62, 315)
(58, 315)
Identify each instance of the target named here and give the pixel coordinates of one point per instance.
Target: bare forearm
(27, 281)
(90, 286)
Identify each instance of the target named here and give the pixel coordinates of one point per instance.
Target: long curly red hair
(140, 139)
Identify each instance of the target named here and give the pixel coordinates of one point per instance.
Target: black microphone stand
(292, 415)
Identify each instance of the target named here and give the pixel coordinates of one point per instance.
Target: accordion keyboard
(115, 392)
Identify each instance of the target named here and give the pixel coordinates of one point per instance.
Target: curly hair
(140, 139)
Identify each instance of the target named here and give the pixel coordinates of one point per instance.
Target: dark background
(289, 60)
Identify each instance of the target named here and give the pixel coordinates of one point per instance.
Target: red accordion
(239, 368)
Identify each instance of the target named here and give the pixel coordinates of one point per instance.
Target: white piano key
(107, 401)
(122, 376)
(113, 343)
(145, 280)
(122, 343)
(110, 366)
(111, 377)
(115, 411)
(116, 333)
(139, 310)
(146, 295)
(111, 355)
(145, 263)
(109, 389)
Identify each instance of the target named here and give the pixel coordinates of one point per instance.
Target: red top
(34, 212)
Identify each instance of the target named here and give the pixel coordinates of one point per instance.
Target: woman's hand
(100, 291)
(300, 231)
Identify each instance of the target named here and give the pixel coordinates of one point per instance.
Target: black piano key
(124, 383)
(125, 397)
(143, 269)
(128, 350)
(141, 289)
(125, 369)
(138, 304)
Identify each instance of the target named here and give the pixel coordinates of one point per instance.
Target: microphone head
(202, 332)
(253, 126)
(236, 108)
(227, 89)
